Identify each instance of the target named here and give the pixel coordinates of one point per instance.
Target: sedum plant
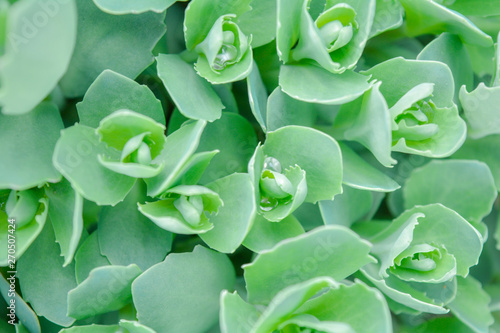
(249, 166)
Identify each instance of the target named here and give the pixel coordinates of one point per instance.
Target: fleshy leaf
(260, 22)
(471, 305)
(367, 120)
(314, 84)
(234, 220)
(388, 16)
(185, 283)
(194, 168)
(465, 186)
(178, 148)
(426, 16)
(183, 215)
(339, 304)
(65, 213)
(25, 142)
(449, 49)
(348, 207)
(76, 157)
(126, 236)
(122, 43)
(236, 315)
(133, 6)
(201, 15)
(89, 257)
(257, 96)
(283, 110)
(115, 282)
(26, 234)
(23, 312)
(314, 152)
(361, 175)
(41, 38)
(187, 89)
(235, 137)
(485, 150)
(264, 234)
(301, 258)
(135, 327)
(481, 110)
(39, 270)
(112, 91)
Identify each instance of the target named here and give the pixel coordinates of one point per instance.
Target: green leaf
(24, 234)
(361, 175)
(234, 220)
(283, 110)
(185, 284)
(122, 43)
(481, 110)
(76, 157)
(112, 91)
(257, 96)
(134, 327)
(65, 213)
(340, 304)
(126, 236)
(44, 281)
(92, 329)
(106, 289)
(388, 16)
(194, 168)
(235, 138)
(332, 251)
(187, 89)
(464, 186)
(470, 7)
(23, 312)
(312, 84)
(484, 150)
(133, 6)
(89, 257)
(449, 49)
(23, 144)
(201, 15)
(426, 16)
(287, 301)
(183, 209)
(411, 73)
(347, 208)
(260, 22)
(367, 120)
(314, 152)
(264, 234)
(471, 305)
(41, 38)
(236, 315)
(178, 148)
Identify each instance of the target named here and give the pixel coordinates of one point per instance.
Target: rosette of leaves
(139, 139)
(335, 39)
(418, 110)
(184, 209)
(28, 212)
(420, 255)
(296, 309)
(287, 170)
(211, 30)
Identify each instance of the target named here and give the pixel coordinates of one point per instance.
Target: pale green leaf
(25, 143)
(122, 43)
(89, 257)
(388, 16)
(257, 96)
(65, 213)
(283, 110)
(112, 91)
(346, 208)
(332, 251)
(44, 281)
(40, 37)
(121, 7)
(106, 289)
(185, 284)
(193, 95)
(76, 157)
(481, 110)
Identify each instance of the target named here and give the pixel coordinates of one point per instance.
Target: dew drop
(271, 163)
(268, 204)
